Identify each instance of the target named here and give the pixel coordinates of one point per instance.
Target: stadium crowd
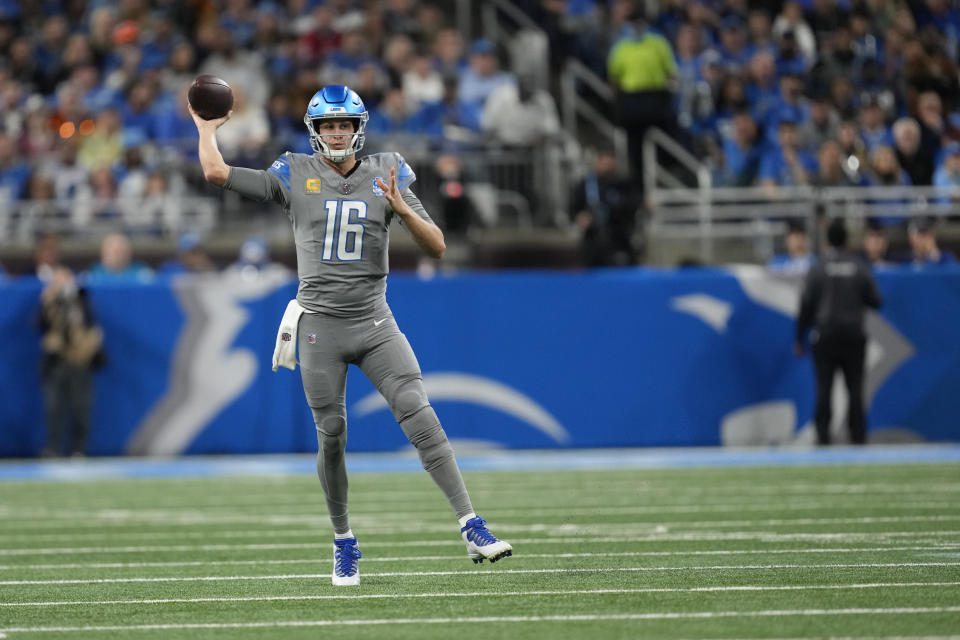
(94, 133)
(818, 92)
(94, 111)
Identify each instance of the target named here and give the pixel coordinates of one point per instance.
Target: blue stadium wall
(520, 360)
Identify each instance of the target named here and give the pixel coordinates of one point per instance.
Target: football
(210, 97)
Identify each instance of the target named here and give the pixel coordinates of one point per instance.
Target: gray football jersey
(340, 224)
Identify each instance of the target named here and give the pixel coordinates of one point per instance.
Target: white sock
(463, 520)
(341, 536)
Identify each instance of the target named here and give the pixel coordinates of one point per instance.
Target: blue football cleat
(481, 544)
(346, 556)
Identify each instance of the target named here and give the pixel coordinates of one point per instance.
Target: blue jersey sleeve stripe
(281, 169)
(405, 175)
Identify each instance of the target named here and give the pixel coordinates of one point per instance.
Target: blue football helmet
(336, 101)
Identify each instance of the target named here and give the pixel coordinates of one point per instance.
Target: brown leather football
(210, 97)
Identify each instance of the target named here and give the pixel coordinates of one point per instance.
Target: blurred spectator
(604, 211)
(182, 69)
(876, 245)
(46, 256)
(116, 262)
(833, 171)
(835, 297)
(398, 55)
(933, 126)
(791, 21)
(852, 147)
(821, 124)
(254, 261)
(250, 130)
(96, 202)
(483, 74)
(191, 258)
(394, 116)
(173, 127)
(947, 175)
(786, 164)
(915, 160)
(72, 349)
(923, 244)
(885, 169)
(451, 117)
(422, 84)
(520, 115)
(788, 106)
(457, 212)
(733, 44)
(640, 67)
(873, 128)
(742, 153)
(242, 69)
(40, 211)
(798, 258)
(760, 32)
(13, 171)
(344, 64)
(843, 97)
(104, 146)
(448, 52)
(946, 19)
(314, 45)
(762, 90)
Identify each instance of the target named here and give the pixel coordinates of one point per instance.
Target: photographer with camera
(72, 350)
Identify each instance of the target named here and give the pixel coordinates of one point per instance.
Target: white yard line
(484, 594)
(373, 527)
(670, 615)
(201, 516)
(492, 571)
(870, 537)
(413, 497)
(408, 558)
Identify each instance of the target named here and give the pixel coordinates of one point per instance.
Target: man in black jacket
(836, 294)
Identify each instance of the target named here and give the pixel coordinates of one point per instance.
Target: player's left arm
(427, 234)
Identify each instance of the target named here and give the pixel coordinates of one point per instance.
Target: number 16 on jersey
(343, 233)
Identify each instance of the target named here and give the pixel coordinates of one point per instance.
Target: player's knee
(407, 399)
(330, 421)
(425, 433)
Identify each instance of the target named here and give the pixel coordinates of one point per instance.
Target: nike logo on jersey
(377, 323)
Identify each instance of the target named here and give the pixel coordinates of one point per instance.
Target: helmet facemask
(320, 146)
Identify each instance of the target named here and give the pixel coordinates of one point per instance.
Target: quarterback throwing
(341, 207)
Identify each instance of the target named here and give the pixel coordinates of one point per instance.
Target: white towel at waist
(285, 353)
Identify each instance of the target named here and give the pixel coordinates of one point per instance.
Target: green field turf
(772, 552)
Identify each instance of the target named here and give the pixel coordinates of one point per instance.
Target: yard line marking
(612, 554)
(703, 536)
(497, 594)
(294, 576)
(194, 515)
(669, 615)
(373, 529)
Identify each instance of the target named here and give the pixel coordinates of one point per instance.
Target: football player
(341, 207)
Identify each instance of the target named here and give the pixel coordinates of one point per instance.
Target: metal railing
(756, 216)
(508, 26)
(163, 216)
(577, 78)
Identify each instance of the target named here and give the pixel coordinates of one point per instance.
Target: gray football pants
(374, 343)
